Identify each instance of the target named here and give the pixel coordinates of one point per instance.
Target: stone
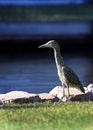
(90, 88)
(14, 95)
(48, 96)
(27, 100)
(76, 95)
(58, 91)
(24, 97)
(54, 95)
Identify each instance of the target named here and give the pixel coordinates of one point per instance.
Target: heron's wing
(71, 77)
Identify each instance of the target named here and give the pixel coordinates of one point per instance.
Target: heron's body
(66, 75)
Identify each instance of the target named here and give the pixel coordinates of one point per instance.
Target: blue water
(45, 28)
(40, 2)
(38, 73)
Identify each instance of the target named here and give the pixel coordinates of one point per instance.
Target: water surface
(38, 73)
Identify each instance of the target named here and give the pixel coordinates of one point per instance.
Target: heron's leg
(68, 91)
(63, 89)
(64, 97)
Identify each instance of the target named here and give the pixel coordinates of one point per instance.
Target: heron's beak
(43, 46)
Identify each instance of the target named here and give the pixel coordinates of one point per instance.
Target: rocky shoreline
(54, 95)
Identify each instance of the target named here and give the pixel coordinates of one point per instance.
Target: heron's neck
(58, 58)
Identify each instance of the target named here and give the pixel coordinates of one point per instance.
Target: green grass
(47, 116)
(46, 13)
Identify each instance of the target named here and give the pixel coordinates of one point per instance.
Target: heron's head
(50, 44)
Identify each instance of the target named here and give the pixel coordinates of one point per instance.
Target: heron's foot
(64, 98)
(69, 97)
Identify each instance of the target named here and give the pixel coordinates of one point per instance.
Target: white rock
(90, 88)
(58, 92)
(8, 97)
(24, 97)
(86, 89)
(46, 96)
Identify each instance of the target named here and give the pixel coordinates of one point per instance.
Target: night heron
(66, 75)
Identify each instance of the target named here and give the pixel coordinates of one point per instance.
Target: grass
(48, 116)
(46, 13)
